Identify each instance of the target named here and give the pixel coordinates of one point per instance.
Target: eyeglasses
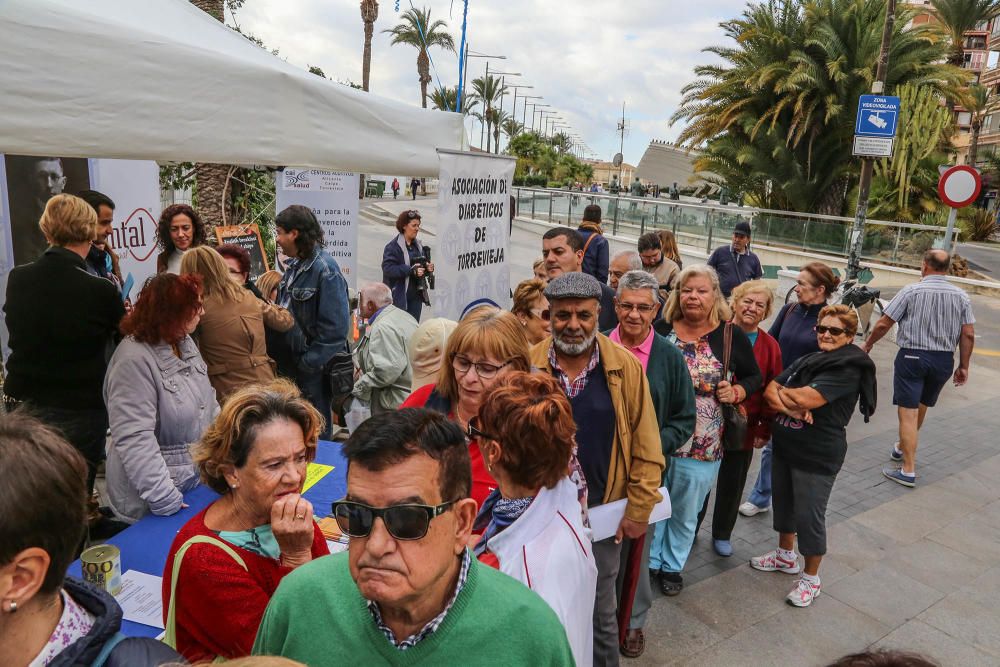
(404, 522)
(540, 314)
(413, 214)
(472, 431)
(643, 308)
(836, 331)
(485, 371)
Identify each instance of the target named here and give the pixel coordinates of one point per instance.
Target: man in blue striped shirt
(934, 318)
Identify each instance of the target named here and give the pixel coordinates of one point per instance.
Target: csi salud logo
(296, 180)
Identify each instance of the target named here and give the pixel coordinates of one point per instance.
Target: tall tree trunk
(974, 143)
(369, 14)
(424, 72)
(832, 201)
(214, 202)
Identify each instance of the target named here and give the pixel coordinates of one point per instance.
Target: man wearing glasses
(408, 590)
(617, 432)
(673, 401)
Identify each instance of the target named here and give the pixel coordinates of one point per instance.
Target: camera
(425, 283)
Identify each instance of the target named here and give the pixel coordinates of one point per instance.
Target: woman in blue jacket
(402, 266)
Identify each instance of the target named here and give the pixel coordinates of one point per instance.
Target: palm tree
(957, 17)
(980, 102)
(511, 127)
(369, 14)
(776, 117)
(417, 30)
(488, 90)
(444, 100)
(561, 142)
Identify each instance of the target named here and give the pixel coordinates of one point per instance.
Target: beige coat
(231, 339)
(636, 456)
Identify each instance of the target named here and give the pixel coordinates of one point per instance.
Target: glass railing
(706, 226)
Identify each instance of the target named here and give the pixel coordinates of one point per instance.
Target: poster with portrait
(30, 182)
(470, 262)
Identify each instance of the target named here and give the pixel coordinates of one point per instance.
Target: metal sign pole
(868, 164)
(950, 229)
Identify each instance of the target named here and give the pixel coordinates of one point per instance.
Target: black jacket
(63, 323)
(849, 355)
(742, 362)
(130, 652)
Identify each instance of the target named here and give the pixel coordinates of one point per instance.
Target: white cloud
(584, 57)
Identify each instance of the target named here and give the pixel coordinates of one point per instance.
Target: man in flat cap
(617, 434)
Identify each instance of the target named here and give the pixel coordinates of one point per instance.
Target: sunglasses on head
(413, 214)
(836, 331)
(404, 522)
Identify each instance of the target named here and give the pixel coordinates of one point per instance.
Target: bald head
(936, 260)
(372, 297)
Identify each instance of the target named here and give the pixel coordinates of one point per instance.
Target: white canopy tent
(162, 80)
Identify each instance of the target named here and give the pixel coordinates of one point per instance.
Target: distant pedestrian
(395, 188)
(414, 184)
(736, 263)
(595, 246)
(934, 318)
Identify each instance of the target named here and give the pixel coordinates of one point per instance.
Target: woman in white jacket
(533, 522)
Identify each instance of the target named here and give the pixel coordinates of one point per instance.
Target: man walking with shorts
(934, 317)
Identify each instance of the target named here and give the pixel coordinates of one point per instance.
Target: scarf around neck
(496, 515)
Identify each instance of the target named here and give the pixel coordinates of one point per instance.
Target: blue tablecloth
(144, 545)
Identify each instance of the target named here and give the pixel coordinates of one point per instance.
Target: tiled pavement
(913, 569)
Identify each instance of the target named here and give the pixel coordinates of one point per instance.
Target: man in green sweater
(408, 591)
(672, 392)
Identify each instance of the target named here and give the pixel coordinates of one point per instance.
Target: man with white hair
(383, 366)
(622, 263)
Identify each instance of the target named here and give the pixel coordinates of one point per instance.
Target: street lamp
(513, 110)
(534, 112)
(524, 114)
(502, 93)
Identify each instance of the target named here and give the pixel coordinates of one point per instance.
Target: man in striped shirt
(934, 318)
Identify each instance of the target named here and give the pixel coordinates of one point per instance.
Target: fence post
(618, 205)
(895, 247)
(642, 225)
(708, 223)
(532, 205)
(550, 207)
(805, 235)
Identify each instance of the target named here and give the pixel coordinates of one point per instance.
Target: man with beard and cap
(618, 436)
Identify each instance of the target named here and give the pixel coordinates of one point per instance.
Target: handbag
(340, 375)
(734, 416)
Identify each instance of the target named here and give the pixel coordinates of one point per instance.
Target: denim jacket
(315, 292)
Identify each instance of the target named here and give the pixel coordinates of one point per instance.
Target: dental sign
(875, 125)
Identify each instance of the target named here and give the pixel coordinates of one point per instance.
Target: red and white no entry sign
(959, 186)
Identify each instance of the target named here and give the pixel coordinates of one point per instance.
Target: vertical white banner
(333, 197)
(470, 264)
(134, 186)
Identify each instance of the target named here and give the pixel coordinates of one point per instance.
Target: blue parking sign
(877, 116)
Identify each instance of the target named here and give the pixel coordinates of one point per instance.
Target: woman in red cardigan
(752, 303)
(228, 560)
(487, 344)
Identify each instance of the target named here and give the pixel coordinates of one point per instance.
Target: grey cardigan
(158, 405)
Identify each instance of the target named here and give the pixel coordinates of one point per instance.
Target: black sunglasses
(413, 214)
(472, 431)
(404, 522)
(836, 331)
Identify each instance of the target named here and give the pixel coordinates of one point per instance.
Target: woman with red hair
(159, 400)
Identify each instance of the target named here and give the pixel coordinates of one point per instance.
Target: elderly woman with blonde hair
(751, 303)
(231, 333)
(228, 560)
(532, 309)
(696, 321)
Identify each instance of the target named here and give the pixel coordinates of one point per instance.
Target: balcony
(975, 60)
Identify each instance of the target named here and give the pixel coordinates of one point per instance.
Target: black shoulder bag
(734, 416)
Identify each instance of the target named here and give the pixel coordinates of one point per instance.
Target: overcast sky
(585, 57)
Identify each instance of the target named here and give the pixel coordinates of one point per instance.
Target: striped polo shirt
(930, 314)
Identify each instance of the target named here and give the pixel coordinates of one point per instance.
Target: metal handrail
(749, 210)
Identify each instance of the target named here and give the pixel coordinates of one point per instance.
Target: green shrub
(979, 225)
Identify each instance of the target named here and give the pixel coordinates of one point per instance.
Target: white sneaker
(803, 594)
(772, 562)
(749, 509)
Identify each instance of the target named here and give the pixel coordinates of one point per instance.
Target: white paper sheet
(604, 519)
(141, 598)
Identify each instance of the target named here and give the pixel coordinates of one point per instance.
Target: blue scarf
(496, 514)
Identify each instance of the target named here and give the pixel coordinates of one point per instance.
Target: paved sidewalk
(912, 569)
